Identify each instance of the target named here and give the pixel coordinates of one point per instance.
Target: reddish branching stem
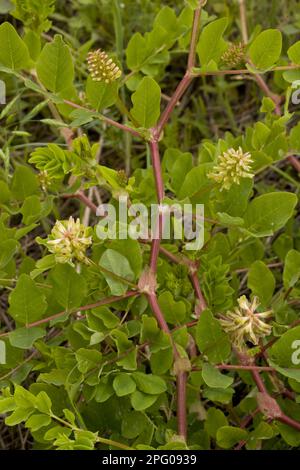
(188, 77)
(289, 421)
(158, 313)
(266, 402)
(260, 80)
(109, 121)
(177, 259)
(181, 404)
(258, 380)
(194, 36)
(155, 248)
(294, 162)
(240, 367)
(217, 73)
(181, 375)
(157, 171)
(83, 198)
(266, 90)
(57, 316)
(200, 302)
(177, 95)
(159, 184)
(155, 245)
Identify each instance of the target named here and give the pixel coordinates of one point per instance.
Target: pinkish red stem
(155, 245)
(289, 421)
(157, 169)
(181, 403)
(194, 36)
(83, 198)
(152, 297)
(177, 95)
(261, 82)
(201, 303)
(106, 119)
(262, 388)
(181, 379)
(106, 301)
(156, 133)
(217, 73)
(159, 184)
(259, 382)
(156, 242)
(294, 162)
(241, 367)
(171, 256)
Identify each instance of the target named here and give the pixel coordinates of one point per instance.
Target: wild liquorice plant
(144, 344)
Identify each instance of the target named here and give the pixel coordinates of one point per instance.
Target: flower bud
(102, 68)
(234, 56)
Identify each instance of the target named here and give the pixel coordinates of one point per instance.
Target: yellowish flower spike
(245, 324)
(231, 167)
(102, 68)
(68, 241)
(234, 56)
(44, 180)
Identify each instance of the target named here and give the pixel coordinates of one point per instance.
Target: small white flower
(245, 324)
(231, 167)
(68, 241)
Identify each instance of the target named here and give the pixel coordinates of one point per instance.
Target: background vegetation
(121, 344)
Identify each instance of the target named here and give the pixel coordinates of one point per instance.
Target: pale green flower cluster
(234, 55)
(68, 241)
(244, 324)
(102, 68)
(231, 167)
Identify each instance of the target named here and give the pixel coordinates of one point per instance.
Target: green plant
(139, 344)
